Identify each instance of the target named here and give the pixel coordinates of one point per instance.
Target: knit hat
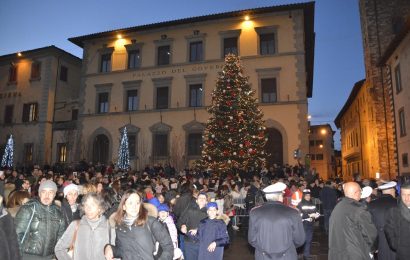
(212, 205)
(48, 184)
(71, 187)
(163, 207)
(154, 201)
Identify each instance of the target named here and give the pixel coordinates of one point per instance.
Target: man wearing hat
(378, 208)
(69, 206)
(39, 224)
(397, 228)
(275, 230)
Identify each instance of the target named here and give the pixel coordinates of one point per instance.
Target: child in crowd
(164, 217)
(212, 235)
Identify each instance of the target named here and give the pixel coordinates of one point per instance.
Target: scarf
(129, 221)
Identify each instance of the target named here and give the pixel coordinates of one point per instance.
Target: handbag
(70, 250)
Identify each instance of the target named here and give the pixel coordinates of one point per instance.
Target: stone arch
(100, 150)
(271, 127)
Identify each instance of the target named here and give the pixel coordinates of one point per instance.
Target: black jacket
(352, 234)
(397, 230)
(328, 196)
(191, 218)
(275, 230)
(9, 248)
(68, 214)
(182, 204)
(379, 208)
(137, 243)
(38, 228)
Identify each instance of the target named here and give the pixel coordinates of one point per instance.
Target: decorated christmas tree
(235, 135)
(7, 160)
(124, 152)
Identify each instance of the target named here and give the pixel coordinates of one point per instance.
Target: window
(28, 152)
(267, 43)
(402, 121)
(105, 65)
(13, 74)
(319, 156)
(8, 114)
(231, 45)
(103, 102)
(160, 145)
(132, 100)
(164, 53)
(132, 144)
(74, 114)
(30, 112)
(405, 160)
(63, 73)
(269, 94)
(134, 60)
(397, 77)
(195, 51)
(35, 70)
(195, 95)
(319, 142)
(62, 152)
(195, 144)
(162, 98)
(312, 157)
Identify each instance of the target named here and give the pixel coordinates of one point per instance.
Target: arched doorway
(101, 149)
(274, 147)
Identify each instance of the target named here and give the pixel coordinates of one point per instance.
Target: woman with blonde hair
(137, 233)
(16, 200)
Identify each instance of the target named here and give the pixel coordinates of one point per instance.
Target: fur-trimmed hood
(152, 211)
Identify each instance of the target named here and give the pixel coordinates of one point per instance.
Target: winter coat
(352, 234)
(38, 228)
(211, 230)
(89, 243)
(328, 197)
(9, 248)
(191, 218)
(275, 231)
(397, 230)
(138, 242)
(379, 208)
(68, 214)
(172, 230)
(182, 204)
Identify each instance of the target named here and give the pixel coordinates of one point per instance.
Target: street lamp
(323, 131)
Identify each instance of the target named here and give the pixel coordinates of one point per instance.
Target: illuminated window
(28, 153)
(62, 152)
(30, 112)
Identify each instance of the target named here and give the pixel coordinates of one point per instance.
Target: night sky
(30, 24)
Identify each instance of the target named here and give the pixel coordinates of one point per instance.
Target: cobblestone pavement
(239, 249)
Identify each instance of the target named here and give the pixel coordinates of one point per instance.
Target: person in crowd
(352, 234)
(309, 214)
(328, 197)
(86, 237)
(190, 220)
(212, 235)
(137, 233)
(69, 206)
(2, 182)
(9, 248)
(397, 228)
(39, 224)
(275, 230)
(365, 196)
(16, 200)
(378, 208)
(166, 219)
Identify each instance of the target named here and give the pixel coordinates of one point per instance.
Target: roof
(356, 88)
(308, 9)
(38, 50)
(395, 43)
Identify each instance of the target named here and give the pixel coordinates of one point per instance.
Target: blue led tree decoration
(124, 152)
(7, 160)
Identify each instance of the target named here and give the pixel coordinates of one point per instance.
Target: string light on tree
(7, 160)
(124, 152)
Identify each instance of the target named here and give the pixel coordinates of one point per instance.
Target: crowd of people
(98, 212)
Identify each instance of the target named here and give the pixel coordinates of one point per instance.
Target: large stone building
(157, 79)
(39, 104)
(396, 62)
(379, 21)
(321, 150)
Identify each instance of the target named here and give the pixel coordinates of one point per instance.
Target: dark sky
(30, 24)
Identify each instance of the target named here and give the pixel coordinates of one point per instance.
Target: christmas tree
(235, 135)
(123, 152)
(7, 160)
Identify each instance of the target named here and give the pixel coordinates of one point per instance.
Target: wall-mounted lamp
(247, 18)
(19, 54)
(119, 36)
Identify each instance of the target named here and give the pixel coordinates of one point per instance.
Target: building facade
(321, 150)
(39, 91)
(157, 81)
(396, 63)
